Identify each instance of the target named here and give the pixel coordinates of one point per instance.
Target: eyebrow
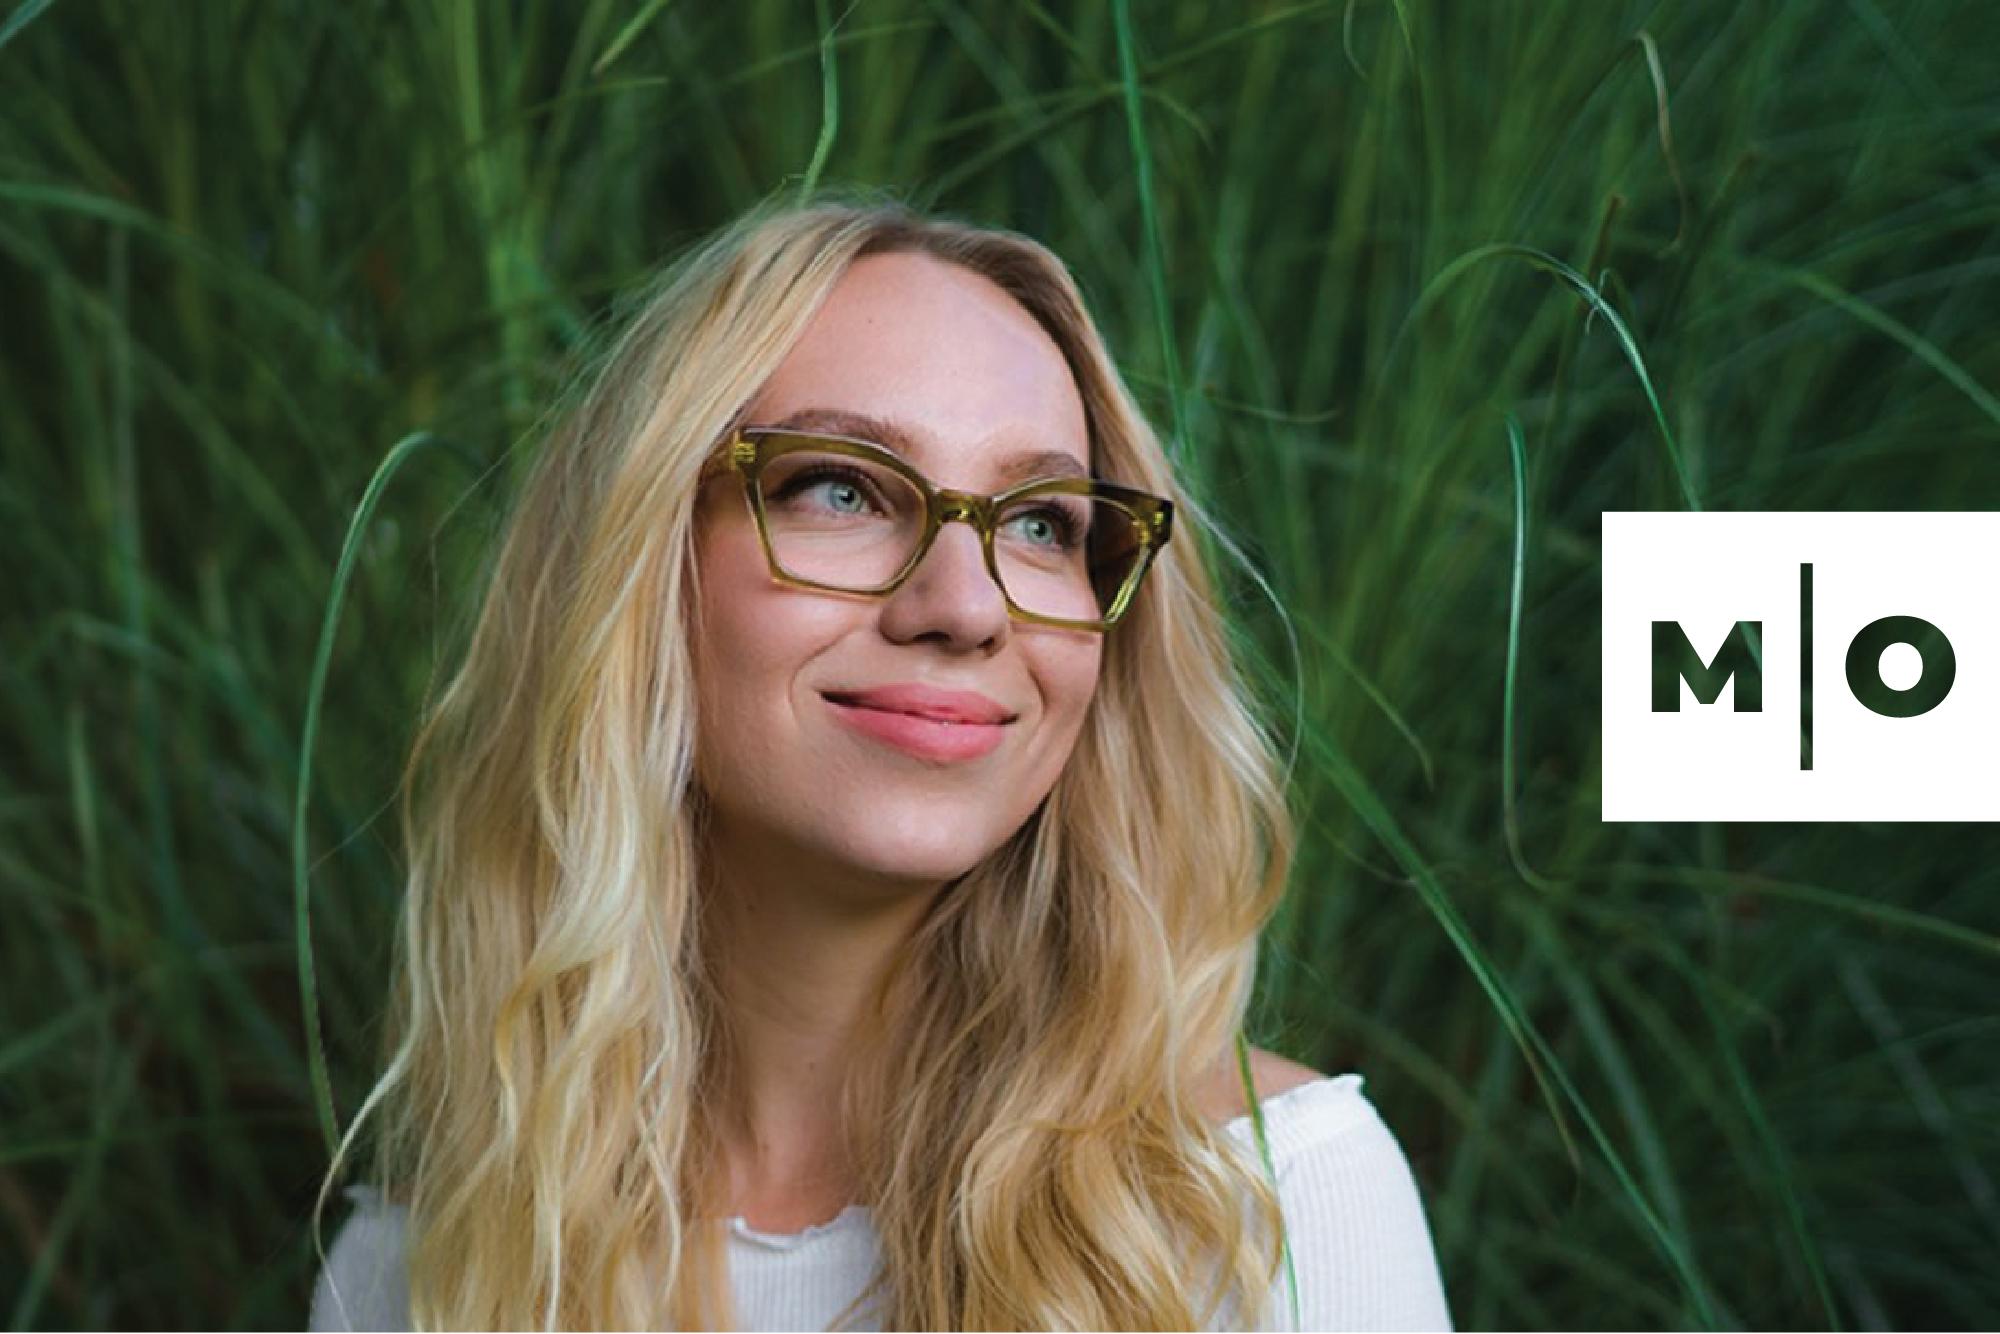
(837, 421)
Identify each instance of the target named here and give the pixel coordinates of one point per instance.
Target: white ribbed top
(1361, 1247)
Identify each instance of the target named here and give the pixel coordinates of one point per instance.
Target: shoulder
(1354, 1215)
(1221, 1096)
(364, 1284)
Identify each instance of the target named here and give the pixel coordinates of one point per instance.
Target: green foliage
(1416, 292)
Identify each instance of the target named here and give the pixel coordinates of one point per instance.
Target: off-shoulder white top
(1361, 1247)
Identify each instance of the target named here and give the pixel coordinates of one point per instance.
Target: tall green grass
(1417, 291)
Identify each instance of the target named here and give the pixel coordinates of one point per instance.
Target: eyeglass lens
(853, 524)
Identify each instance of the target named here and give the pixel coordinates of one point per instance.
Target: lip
(942, 739)
(951, 706)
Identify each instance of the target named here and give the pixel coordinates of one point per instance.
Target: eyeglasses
(849, 516)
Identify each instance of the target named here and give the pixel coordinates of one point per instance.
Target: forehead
(1003, 465)
(936, 361)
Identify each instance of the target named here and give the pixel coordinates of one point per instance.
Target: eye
(1051, 526)
(850, 488)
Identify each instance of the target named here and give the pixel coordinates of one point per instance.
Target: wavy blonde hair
(1025, 1120)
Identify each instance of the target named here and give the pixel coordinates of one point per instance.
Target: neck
(798, 954)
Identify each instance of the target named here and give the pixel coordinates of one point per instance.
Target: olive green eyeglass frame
(750, 448)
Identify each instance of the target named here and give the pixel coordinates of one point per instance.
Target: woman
(809, 888)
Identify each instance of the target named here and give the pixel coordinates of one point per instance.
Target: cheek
(754, 642)
(1071, 675)
(730, 650)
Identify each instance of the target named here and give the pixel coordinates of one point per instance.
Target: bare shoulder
(1221, 1097)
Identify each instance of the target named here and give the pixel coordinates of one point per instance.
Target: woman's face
(953, 364)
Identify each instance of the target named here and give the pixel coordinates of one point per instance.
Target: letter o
(1864, 666)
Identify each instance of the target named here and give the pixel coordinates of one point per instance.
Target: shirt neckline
(855, 1215)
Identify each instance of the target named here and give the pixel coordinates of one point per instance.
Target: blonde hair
(1024, 1121)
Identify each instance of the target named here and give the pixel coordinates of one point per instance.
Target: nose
(950, 596)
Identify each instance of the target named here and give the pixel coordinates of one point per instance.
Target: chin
(927, 865)
(931, 849)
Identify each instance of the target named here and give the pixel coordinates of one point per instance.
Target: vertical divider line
(1805, 664)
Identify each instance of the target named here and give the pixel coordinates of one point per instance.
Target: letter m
(1674, 661)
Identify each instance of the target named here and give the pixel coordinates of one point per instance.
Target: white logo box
(1706, 572)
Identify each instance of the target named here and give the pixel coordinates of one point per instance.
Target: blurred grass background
(1648, 1076)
